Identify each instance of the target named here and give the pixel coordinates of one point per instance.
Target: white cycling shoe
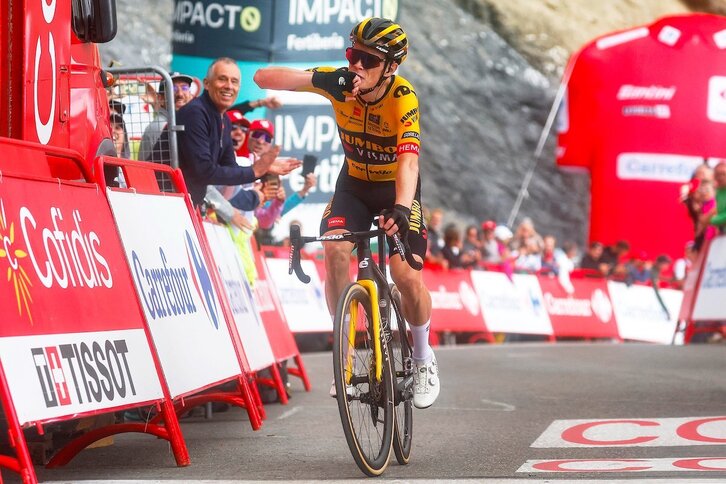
(426, 384)
(349, 390)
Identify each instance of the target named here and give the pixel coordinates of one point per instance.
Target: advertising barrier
(174, 286)
(303, 304)
(283, 344)
(455, 305)
(511, 306)
(72, 340)
(586, 312)
(183, 301)
(639, 314)
(247, 320)
(709, 303)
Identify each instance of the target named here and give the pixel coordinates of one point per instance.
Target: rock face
(486, 73)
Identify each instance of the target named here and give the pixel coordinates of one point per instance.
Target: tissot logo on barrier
(61, 253)
(81, 373)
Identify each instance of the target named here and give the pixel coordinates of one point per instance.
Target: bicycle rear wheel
(366, 406)
(403, 365)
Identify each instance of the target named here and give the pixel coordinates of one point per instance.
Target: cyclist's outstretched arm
(283, 78)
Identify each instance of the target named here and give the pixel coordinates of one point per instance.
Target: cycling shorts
(355, 204)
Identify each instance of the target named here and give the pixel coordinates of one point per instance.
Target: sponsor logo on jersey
(403, 91)
(411, 134)
(375, 118)
(410, 115)
(408, 148)
(336, 222)
(357, 111)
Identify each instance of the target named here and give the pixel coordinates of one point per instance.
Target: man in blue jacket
(206, 154)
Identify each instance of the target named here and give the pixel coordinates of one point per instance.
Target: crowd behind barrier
(144, 250)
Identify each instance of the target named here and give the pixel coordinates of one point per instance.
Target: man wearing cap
(490, 246)
(182, 95)
(206, 154)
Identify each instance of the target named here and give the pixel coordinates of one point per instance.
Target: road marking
(669, 464)
(634, 432)
(289, 413)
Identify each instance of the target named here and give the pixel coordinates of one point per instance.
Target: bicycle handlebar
(297, 241)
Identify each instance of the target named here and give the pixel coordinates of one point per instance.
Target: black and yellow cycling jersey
(373, 135)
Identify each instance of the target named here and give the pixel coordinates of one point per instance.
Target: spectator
(435, 241)
(617, 257)
(206, 155)
(707, 194)
(490, 247)
(551, 255)
(297, 197)
(526, 231)
(692, 200)
(452, 247)
(270, 102)
(662, 272)
(639, 269)
(471, 248)
(682, 266)
(529, 256)
(566, 264)
(240, 128)
(504, 238)
(718, 217)
(120, 138)
(182, 95)
(594, 260)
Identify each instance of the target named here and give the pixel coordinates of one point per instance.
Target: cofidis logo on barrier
(59, 251)
(166, 288)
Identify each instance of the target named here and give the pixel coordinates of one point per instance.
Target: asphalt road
(496, 402)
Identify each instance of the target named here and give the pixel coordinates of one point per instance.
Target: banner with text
(72, 337)
(174, 286)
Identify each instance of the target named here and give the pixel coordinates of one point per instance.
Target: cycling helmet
(384, 36)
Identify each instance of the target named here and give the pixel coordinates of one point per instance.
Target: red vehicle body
(52, 86)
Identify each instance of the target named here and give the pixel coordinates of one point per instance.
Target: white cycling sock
(422, 352)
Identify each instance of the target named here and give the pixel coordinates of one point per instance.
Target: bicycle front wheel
(402, 362)
(366, 405)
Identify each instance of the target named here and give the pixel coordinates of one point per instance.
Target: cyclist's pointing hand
(395, 221)
(336, 83)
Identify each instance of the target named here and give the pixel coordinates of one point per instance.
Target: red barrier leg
(279, 385)
(250, 406)
(254, 388)
(23, 465)
(299, 371)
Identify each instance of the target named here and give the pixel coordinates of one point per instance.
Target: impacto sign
(270, 30)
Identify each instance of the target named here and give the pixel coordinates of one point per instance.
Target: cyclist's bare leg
(337, 269)
(415, 298)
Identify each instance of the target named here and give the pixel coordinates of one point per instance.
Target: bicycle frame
(372, 277)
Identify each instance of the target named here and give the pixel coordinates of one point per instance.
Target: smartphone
(309, 162)
(271, 180)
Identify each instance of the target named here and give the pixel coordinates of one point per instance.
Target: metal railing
(148, 114)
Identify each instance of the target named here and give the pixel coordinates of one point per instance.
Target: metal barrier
(149, 116)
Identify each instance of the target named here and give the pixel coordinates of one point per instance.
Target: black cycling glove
(334, 83)
(400, 215)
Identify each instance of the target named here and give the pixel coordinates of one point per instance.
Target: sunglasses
(183, 88)
(262, 135)
(368, 61)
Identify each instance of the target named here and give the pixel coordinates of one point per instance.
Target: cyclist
(378, 122)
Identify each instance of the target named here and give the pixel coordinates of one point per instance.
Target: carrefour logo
(166, 287)
(202, 280)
